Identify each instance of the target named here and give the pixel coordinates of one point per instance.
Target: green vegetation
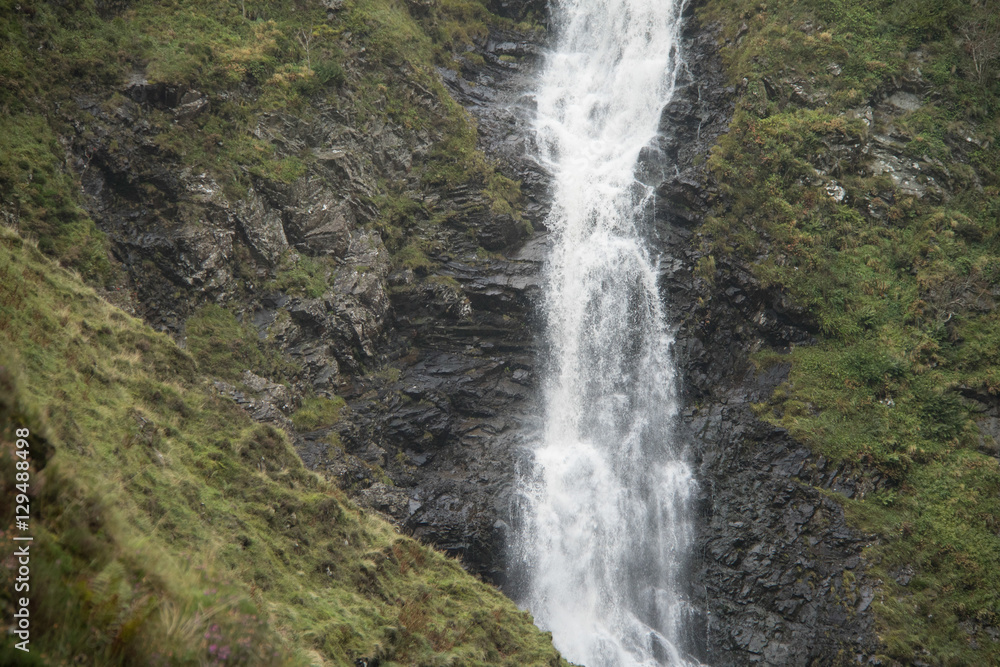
(171, 529)
(412, 257)
(901, 287)
(318, 412)
(301, 275)
(405, 225)
(39, 197)
(225, 348)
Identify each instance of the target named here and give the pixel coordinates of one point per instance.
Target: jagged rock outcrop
(447, 427)
(435, 363)
(446, 421)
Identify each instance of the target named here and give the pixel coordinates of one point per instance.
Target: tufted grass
(317, 412)
(225, 347)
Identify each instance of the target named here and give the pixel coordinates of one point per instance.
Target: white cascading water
(604, 506)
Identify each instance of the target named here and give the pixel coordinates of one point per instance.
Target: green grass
(301, 275)
(169, 526)
(318, 412)
(225, 347)
(40, 198)
(412, 257)
(898, 286)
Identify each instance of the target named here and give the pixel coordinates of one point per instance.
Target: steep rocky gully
(439, 369)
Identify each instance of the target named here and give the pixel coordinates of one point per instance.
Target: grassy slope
(901, 288)
(169, 526)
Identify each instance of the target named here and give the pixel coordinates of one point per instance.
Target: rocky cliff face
(438, 363)
(777, 576)
(435, 358)
(462, 345)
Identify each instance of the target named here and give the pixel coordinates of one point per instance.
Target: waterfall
(603, 502)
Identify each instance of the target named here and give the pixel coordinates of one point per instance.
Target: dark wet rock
(390, 501)
(698, 113)
(270, 392)
(264, 400)
(986, 411)
(498, 95)
(261, 227)
(780, 576)
(317, 221)
(190, 105)
(160, 95)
